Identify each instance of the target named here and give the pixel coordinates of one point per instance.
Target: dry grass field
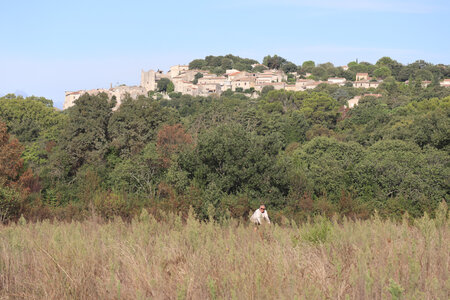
(175, 259)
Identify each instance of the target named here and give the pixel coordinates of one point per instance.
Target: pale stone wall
(374, 84)
(226, 86)
(301, 84)
(361, 84)
(231, 71)
(70, 98)
(362, 76)
(353, 102)
(277, 85)
(337, 80)
(209, 89)
(186, 87)
(242, 83)
(120, 92)
(148, 80)
(177, 70)
(212, 80)
(366, 84)
(313, 85)
(445, 83)
(290, 87)
(264, 79)
(277, 75)
(240, 75)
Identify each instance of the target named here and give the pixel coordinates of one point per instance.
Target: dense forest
(300, 153)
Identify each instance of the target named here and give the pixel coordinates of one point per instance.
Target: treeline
(219, 64)
(301, 153)
(384, 68)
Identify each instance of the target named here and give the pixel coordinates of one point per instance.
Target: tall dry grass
(172, 259)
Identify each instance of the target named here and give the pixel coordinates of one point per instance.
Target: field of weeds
(186, 259)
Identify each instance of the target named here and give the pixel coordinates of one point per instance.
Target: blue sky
(48, 47)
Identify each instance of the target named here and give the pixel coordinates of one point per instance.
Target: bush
(10, 204)
(267, 89)
(319, 232)
(174, 95)
(108, 205)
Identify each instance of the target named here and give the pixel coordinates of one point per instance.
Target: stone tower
(148, 80)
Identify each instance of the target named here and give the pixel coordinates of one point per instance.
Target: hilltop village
(199, 82)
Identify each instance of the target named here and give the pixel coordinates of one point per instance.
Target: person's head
(262, 208)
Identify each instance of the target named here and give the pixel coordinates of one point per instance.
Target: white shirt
(258, 216)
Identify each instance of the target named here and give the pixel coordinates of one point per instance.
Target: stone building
(207, 89)
(70, 98)
(366, 84)
(337, 80)
(119, 92)
(353, 102)
(177, 70)
(445, 83)
(244, 83)
(362, 76)
(149, 79)
(212, 84)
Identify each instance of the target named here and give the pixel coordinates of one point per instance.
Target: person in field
(259, 215)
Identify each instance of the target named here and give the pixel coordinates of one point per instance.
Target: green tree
(165, 85)
(424, 74)
(197, 77)
(231, 160)
(227, 63)
(30, 119)
(320, 72)
(274, 62)
(218, 64)
(289, 67)
(308, 66)
(329, 165)
(140, 174)
(294, 127)
(267, 89)
(400, 173)
(197, 64)
(382, 72)
(86, 134)
(136, 123)
(320, 108)
(259, 69)
(170, 87)
(220, 70)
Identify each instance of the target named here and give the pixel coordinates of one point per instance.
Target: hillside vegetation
(384, 68)
(301, 153)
